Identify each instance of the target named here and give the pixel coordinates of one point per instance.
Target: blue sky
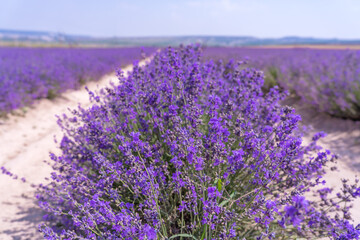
(259, 18)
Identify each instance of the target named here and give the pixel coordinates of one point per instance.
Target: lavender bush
(187, 149)
(27, 74)
(327, 79)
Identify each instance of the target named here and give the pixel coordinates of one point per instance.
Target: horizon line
(174, 36)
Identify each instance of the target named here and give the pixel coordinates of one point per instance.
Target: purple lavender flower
(27, 74)
(325, 79)
(188, 148)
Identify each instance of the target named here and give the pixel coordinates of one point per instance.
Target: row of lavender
(327, 79)
(27, 74)
(190, 149)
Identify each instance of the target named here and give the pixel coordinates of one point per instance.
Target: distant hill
(13, 36)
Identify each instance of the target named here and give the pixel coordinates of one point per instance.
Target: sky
(124, 18)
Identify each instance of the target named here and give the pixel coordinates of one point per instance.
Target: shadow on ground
(27, 220)
(343, 135)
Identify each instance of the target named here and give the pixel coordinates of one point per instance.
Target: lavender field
(27, 74)
(180, 120)
(328, 79)
(198, 143)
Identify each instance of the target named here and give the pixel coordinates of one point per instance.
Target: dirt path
(25, 142)
(343, 138)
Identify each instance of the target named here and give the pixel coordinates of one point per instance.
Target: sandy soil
(343, 138)
(25, 142)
